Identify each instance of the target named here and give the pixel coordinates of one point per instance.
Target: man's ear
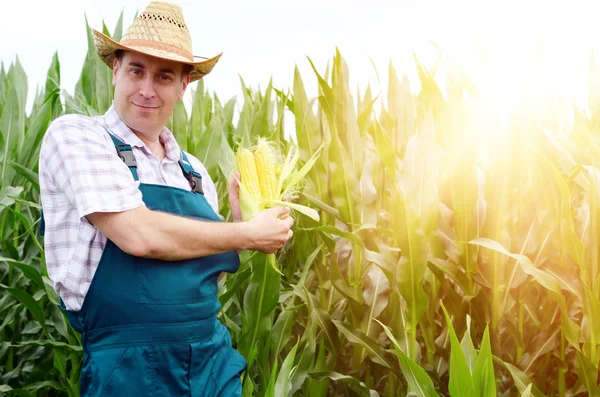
(116, 65)
(184, 81)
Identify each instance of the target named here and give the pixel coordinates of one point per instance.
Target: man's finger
(290, 221)
(281, 210)
(235, 179)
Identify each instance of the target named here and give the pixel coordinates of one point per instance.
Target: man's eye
(136, 71)
(165, 77)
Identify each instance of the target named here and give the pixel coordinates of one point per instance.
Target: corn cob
(249, 174)
(265, 166)
(261, 186)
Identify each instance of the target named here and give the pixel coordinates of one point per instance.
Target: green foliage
(415, 209)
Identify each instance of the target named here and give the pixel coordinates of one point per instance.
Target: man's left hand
(234, 197)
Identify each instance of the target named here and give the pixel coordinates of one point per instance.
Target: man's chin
(148, 127)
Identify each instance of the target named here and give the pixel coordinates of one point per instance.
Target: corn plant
(425, 231)
(40, 352)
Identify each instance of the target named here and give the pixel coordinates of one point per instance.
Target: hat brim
(106, 47)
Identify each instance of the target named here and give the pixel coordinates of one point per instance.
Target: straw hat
(159, 31)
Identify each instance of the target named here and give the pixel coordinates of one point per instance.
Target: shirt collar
(172, 149)
(117, 127)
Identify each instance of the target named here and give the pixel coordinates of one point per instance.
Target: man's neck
(152, 142)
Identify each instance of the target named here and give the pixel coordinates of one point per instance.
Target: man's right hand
(270, 229)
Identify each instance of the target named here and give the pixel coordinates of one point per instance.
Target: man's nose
(147, 87)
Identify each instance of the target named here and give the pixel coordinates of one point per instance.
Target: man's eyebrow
(141, 66)
(136, 64)
(166, 70)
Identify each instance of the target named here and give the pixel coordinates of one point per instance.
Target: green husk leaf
(311, 213)
(296, 178)
(288, 167)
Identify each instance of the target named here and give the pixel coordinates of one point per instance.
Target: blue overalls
(148, 326)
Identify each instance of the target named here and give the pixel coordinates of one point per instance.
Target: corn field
(442, 264)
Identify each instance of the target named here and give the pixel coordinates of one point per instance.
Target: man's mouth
(146, 107)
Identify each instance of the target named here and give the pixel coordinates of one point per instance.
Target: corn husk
(289, 178)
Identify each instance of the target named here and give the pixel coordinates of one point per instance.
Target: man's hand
(234, 198)
(270, 229)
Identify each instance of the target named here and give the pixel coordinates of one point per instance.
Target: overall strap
(125, 152)
(193, 177)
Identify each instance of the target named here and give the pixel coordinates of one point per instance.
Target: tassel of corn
(249, 174)
(265, 165)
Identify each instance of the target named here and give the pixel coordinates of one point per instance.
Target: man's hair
(185, 69)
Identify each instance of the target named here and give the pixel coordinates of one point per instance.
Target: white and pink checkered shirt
(80, 173)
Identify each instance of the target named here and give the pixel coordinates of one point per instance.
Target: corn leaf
(461, 381)
(52, 344)
(283, 385)
(30, 303)
(356, 336)
(483, 371)
(260, 299)
(351, 381)
(420, 383)
(29, 271)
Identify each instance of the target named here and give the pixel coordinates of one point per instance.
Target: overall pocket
(215, 367)
(114, 372)
(172, 283)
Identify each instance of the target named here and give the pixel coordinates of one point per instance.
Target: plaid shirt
(80, 173)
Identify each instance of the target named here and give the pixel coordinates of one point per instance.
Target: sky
(264, 39)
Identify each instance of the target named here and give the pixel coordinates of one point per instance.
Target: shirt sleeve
(208, 186)
(79, 159)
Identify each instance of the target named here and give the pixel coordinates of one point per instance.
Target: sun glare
(516, 79)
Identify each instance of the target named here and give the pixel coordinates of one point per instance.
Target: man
(134, 243)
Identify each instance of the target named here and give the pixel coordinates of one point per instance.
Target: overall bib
(149, 327)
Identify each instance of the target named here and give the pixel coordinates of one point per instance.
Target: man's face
(146, 90)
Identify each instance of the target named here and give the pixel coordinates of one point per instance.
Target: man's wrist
(242, 236)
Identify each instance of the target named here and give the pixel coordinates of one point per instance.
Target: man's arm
(153, 234)
(78, 160)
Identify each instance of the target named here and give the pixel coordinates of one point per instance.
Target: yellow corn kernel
(249, 174)
(265, 165)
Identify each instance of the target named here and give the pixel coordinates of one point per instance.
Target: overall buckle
(126, 154)
(195, 180)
